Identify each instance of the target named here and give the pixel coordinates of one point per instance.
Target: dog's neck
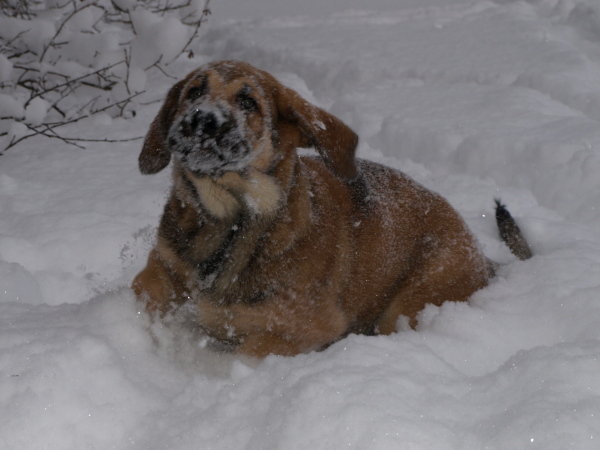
(224, 198)
(215, 225)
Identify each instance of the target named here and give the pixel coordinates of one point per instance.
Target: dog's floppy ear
(155, 155)
(333, 139)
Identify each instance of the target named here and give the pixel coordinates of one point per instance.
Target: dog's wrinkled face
(229, 116)
(222, 123)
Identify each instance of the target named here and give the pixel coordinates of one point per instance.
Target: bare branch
(205, 13)
(72, 81)
(47, 129)
(62, 25)
(73, 96)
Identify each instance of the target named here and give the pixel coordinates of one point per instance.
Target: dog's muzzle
(209, 140)
(205, 123)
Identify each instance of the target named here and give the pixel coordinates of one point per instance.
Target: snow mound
(474, 99)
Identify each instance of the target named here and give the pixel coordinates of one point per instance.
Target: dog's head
(228, 116)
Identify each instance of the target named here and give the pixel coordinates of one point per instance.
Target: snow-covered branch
(64, 60)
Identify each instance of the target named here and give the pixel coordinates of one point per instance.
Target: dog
(284, 254)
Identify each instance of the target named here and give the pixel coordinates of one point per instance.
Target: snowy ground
(475, 99)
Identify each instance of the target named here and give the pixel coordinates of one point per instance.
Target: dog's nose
(205, 122)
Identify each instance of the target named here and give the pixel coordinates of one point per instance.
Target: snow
(9, 106)
(159, 41)
(475, 99)
(6, 68)
(35, 33)
(36, 111)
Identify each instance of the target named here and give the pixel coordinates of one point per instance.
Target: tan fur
(289, 254)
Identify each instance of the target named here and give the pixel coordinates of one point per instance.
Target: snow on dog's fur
(285, 254)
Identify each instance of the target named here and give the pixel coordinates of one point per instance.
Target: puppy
(281, 253)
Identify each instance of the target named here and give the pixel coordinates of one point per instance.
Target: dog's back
(411, 248)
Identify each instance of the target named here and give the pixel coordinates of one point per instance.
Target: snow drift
(475, 99)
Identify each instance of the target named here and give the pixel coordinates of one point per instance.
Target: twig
(47, 129)
(159, 67)
(36, 73)
(68, 140)
(205, 13)
(73, 80)
(61, 26)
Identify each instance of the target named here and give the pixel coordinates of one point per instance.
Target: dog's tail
(510, 232)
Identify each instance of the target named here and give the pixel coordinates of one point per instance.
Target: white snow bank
(6, 68)
(34, 33)
(474, 99)
(91, 374)
(10, 106)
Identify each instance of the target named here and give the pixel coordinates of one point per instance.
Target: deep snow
(476, 100)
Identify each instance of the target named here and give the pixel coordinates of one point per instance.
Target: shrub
(63, 61)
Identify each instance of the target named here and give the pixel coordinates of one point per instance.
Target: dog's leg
(439, 280)
(262, 344)
(274, 326)
(154, 286)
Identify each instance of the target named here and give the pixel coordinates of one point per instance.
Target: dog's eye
(194, 93)
(248, 104)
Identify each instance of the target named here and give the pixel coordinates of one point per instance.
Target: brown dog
(285, 254)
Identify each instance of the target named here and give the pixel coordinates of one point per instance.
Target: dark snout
(208, 139)
(206, 123)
